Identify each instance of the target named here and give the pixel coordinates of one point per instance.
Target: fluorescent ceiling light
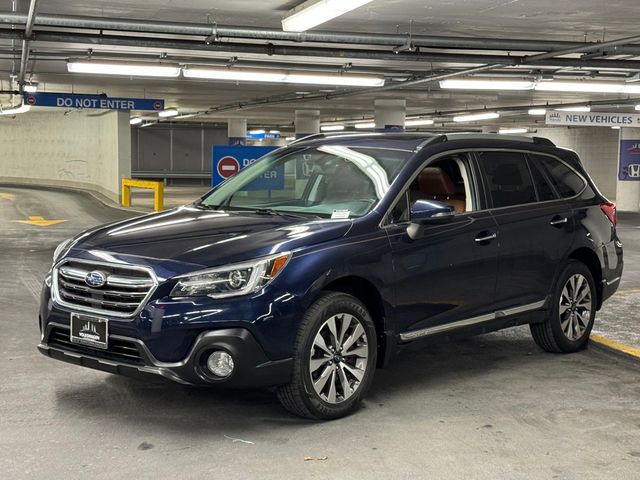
(289, 139)
(314, 12)
(537, 111)
(274, 132)
(30, 87)
(365, 125)
(257, 131)
(637, 107)
(169, 112)
(476, 116)
(616, 127)
(283, 76)
(417, 122)
(575, 109)
(15, 110)
(487, 84)
(508, 131)
(123, 68)
(135, 121)
(332, 128)
(587, 86)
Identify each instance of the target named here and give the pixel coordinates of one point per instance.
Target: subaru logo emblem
(95, 278)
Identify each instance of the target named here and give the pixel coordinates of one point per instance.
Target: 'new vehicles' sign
(593, 119)
(229, 160)
(101, 102)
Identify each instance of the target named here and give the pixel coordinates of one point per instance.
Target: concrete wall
(88, 149)
(597, 148)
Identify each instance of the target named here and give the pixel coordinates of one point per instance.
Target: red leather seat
(435, 184)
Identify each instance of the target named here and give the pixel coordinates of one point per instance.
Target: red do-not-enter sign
(228, 166)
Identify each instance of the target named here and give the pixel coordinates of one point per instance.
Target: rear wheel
(570, 318)
(335, 357)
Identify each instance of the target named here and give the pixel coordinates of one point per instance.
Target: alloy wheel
(575, 307)
(339, 358)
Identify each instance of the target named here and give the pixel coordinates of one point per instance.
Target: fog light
(220, 363)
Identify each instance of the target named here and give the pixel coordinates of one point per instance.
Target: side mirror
(428, 212)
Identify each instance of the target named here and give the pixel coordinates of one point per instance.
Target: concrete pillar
(237, 131)
(389, 114)
(307, 122)
(628, 187)
(123, 139)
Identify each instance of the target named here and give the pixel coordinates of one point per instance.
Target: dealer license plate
(89, 331)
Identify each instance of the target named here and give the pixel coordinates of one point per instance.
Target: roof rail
(308, 137)
(543, 141)
(499, 136)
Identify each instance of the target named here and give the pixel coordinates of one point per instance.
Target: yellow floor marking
(633, 351)
(39, 221)
(7, 196)
(628, 291)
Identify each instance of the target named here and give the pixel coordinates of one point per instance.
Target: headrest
(434, 181)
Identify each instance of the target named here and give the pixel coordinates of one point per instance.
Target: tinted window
(544, 189)
(566, 181)
(508, 178)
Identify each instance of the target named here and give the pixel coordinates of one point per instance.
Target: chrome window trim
(384, 223)
(467, 322)
(73, 307)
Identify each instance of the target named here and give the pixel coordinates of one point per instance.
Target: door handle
(558, 220)
(485, 237)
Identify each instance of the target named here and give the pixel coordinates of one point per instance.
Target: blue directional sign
(69, 100)
(229, 160)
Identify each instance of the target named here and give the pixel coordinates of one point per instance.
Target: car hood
(207, 238)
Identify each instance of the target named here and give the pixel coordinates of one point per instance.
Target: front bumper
(131, 357)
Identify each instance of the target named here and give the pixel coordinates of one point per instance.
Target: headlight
(61, 250)
(231, 280)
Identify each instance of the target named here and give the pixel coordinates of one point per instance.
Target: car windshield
(330, 181)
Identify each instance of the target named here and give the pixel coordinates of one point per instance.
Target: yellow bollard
(157, 187)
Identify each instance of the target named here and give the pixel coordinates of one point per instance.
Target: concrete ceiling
(584, 20)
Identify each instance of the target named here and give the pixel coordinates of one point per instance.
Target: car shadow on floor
(417, 372)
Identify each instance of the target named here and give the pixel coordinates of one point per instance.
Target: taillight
(609, 209)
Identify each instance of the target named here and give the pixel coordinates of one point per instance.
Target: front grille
(119, 350)
(125, 289)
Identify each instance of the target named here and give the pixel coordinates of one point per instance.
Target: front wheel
(334, 361)
(571, 316)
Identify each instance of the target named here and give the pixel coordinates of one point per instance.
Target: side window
(445, 180)
(508, 179)
(566, 181)
(544, 189)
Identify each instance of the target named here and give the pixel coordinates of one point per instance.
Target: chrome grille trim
(122, 296)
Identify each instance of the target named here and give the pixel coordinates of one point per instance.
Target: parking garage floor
(493, 406)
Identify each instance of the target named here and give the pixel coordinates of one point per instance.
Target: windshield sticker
(340, 214)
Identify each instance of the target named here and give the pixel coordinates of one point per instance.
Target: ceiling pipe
(28, 32)
(250, 33)
(294, 50)
(582, 49)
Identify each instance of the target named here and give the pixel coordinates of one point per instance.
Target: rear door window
(567, 182)
(507, 178)
(543, 187)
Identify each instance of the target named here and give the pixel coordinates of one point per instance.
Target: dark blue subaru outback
(375, 241)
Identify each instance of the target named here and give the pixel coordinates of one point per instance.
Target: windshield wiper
(280, 213)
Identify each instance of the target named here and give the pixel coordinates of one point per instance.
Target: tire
(331, 371)
(569, 321)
